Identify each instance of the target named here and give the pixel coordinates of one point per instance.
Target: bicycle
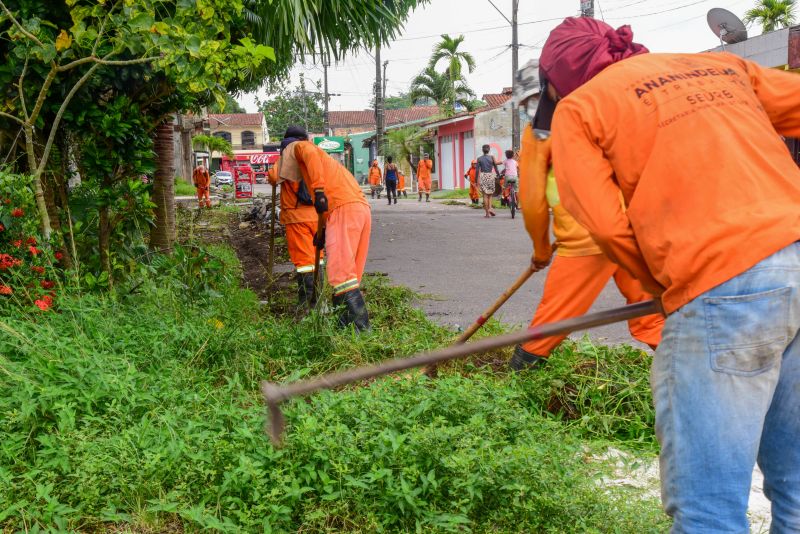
(512, 197)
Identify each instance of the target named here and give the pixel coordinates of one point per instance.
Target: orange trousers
(300, 241)
(203, 197)
(346, 244)
(572, 286)
(424, 185)
(474, 192)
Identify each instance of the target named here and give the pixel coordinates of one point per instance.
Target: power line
(660, 12)
(498, 10)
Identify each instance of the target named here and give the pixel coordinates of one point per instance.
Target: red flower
(59, 255)
(2, 227)
(5, 290)
(6, 201)
(33, 250)
(44, 304)
(7, 261)
(17, 212)
(17, 243)
(30, 241)
(47, 284)
(37, 269)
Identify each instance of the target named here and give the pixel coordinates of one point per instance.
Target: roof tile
(235, 119)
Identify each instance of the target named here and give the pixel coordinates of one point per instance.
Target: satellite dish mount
(726, 26)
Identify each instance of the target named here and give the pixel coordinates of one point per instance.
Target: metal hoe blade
(275, 394)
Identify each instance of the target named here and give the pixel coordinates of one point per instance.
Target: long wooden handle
(318, 253)
(271, 260)
(275, 394)
(490, 311)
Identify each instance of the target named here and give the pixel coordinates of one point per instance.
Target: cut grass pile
(140, 410)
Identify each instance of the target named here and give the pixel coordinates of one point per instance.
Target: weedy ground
(139, 411)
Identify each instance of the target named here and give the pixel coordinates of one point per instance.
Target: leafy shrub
(28, 273)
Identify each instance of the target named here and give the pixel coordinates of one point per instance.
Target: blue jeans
(726, 387)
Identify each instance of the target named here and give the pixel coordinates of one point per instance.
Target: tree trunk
(105, 243)
(162, 234)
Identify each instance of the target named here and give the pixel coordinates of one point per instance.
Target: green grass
(450, 193)
(183, 188)
(140, 410)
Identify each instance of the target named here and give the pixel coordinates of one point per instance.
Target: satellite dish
(726, 26)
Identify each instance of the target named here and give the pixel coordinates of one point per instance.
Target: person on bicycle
(580, 270)
(511, 174)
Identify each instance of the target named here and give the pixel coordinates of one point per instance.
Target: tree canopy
(772, 14)
(296, 106)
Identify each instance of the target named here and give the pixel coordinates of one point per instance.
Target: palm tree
(212, 143)
(447, 93)
(447, 49)
(772, 14)
(403, 144)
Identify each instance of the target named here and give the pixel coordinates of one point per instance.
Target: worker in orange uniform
(346, 237)
(401, 184)
(472, 177)
(202, 183)
(579, 271)
(715, 234)
(300, 221)
(375, 179)
(424, 177)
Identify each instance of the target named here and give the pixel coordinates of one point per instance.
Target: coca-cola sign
(261, 159)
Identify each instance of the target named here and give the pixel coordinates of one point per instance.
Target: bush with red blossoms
(28, 269)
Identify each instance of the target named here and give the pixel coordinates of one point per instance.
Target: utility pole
(303, 96)
(384, 80)
(587, 8)
(378, 103)
(326, 96)
(514, 68)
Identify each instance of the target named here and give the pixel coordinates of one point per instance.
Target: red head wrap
(579, 48)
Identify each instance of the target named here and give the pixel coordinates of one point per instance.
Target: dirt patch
(250, 240)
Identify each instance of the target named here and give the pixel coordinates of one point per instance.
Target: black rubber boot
(353, 310)
(427, 197)
(373, 193)
(420, 198)
(523, 360)
(305, 289)
(395, 200)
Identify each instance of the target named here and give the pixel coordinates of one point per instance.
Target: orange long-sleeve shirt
(424, 169)
(537, 194)
(322, 172)
(690, 140)
(292, 211)
(374, 175)
(201, 178)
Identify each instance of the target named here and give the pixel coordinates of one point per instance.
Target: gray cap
(527, 81)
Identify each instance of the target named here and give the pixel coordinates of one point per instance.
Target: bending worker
(300, 221)
(424, 177)
(337, 194)
(717, 239)
(579, 271)
(202, 183)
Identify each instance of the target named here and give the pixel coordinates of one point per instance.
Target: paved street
(464, 262)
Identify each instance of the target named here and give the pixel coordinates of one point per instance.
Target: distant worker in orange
(401, 183)
(424, 177)
(337, 194)
(579, 271)
(202, 183)
(375, 179)
(300, 220)
(472, 177)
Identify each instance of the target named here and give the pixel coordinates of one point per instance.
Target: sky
(661, 25)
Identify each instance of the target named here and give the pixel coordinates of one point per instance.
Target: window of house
(248, 139)
(224, 135)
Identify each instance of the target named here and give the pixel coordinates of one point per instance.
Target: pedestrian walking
(579, 271)
(300, 220)
(472, 177)
(375, 179)
(346, 239)
(390, 179)
(488, 174)
(717, 240)
(424, 177)
(202, 184)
